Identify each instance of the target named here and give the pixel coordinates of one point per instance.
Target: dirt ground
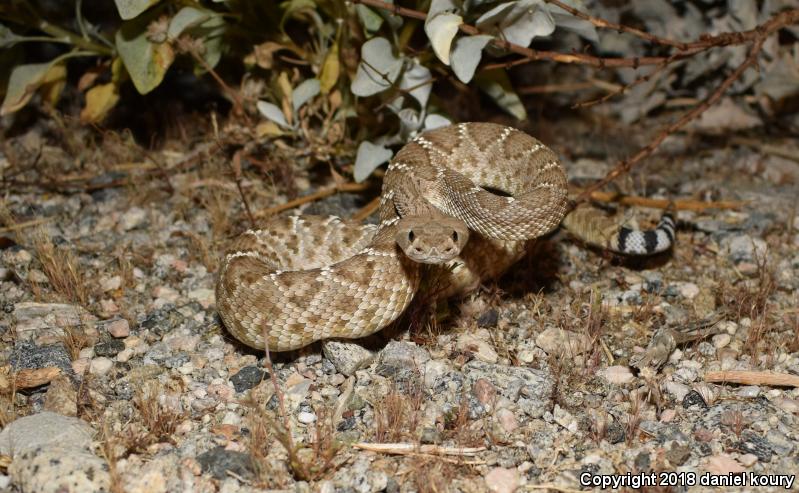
(578, 367)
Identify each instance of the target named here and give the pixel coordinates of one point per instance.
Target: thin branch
(625, 165)
(325, 192)
(680, 205)
(602, 23)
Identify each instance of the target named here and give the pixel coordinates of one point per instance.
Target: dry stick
(367, 210)
(325, 192)
(236, 166)
(411, 448)
(623, 88)
(753, 378)
(683, 205)
(625, 165)
(26, 224)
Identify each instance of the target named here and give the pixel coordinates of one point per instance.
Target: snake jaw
(429, 241)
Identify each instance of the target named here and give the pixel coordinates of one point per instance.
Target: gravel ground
(577, 367)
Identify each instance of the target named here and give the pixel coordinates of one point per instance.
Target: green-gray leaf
(434, 120)
(496, 84)
(378, 70)
(307, 90)
(370, 20)
(466, 55)
(519, 21)
(146, 62)
(369, 157)
(22, 82)
(128, 9)
(273, 113)
(417, 81)
(185, 18)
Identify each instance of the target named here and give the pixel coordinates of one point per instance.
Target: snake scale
(467, 197)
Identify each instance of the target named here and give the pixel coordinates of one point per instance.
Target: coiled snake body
(302, 279)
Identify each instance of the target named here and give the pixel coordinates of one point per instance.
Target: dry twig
(412, 448)
(744, 377)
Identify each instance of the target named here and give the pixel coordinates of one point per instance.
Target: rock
(530, 387)
(676, 389)
(433, 370)
(110, 283)
(478, 345)
(218, 461)
(694, 398)
(721, 340)
(204, 296)
(749, 391)
(347, 357)
(306, 417)
(565, 419)
(119, 328)
(501, 480)
(488, 319)
(60, 470)
(755, 444)
(35, 320)
(688, 290)
(247, 378)
(617, 375)
(745, 248)
(61, 397)
(132, 218)
(722, 464)
(399, 360)
(678, 453)
(507, 420)
(29, 356)
(557, 341)
(748, 460)
(109, 348)
(484, 392)
(43, 430)
(100, 366)
(787, 405)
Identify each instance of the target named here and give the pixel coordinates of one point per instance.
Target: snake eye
(411, 236)
(455, 236)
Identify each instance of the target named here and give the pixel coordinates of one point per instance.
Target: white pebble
(101, 365)
(306, 417)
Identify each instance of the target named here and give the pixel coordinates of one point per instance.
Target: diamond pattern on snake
(301, 279)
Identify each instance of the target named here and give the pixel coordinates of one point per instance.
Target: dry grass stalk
(60, 265)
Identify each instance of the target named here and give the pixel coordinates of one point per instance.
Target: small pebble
(502, 480)
(617, 375)
(721, 340)
(119, 328)
(748, 460)
(306, 417)
(749, 391)
(507, 420)
(101, 365)
(689, 290)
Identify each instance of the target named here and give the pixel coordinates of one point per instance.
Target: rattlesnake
(306, 278)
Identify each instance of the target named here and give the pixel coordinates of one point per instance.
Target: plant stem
(63, 35)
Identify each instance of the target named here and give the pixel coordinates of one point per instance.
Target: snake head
(432, 241)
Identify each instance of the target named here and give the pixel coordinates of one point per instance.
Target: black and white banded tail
(593, 227)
